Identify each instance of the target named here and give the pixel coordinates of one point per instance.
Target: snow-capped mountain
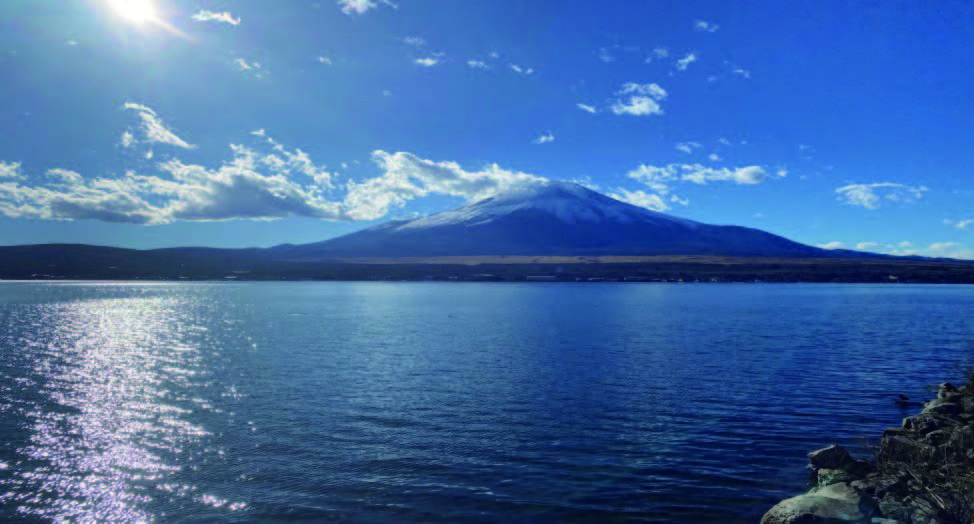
(553, 218)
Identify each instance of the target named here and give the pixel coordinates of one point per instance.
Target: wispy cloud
(253, 68)
(358, 7)
(605, 55)
(211, 16)
(478, 64)
(872, 196)
(713, 157)
(521, 70)
(688, 147)
(324, 60)
(642, 199)
(587, 108)
(905, 248)
(832, 245)
(414, 41)
(683, 63)
(544, 139)
(661, 178)
(708, 27)
(153, 129)
(639, 100)
(959, 224)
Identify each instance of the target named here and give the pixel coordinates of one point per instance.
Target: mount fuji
(554, 219)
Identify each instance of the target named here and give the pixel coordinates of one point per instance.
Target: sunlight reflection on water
(113, 424)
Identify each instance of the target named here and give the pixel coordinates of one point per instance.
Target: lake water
(449, 402)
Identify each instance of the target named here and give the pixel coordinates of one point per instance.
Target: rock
(936, 438)
(903, 450)
(896, 432)
(834, 504)
(894, 509)
(945, 389)
(827, 477)
(967, 402)
(832, 457)
(942, 407)
(877, 520)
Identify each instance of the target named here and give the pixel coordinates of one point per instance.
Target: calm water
(416, 402)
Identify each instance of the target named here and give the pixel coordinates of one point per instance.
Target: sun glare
(137, 11)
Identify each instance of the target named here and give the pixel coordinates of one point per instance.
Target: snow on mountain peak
(567, 201)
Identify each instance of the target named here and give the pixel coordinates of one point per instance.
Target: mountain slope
(555, 218)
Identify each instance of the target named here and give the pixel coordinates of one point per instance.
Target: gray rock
(834, 504)
(832, 457)
(877, 520)
(894, 509)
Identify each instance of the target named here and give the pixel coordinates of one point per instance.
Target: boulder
(946, 389)
(832, 457)
(833, 504)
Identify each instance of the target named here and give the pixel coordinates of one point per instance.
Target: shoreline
(921, 472)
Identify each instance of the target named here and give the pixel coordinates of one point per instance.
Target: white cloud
(661, 178)
(832, 245)
(935, 249)
(211, 16)
(520, 70)
(253, 68)
(714, 157)
(872, 196)
(127, 139)
(153, 130)
(643, 99)
(324, 60)
(724, 141)
(741, 72)
(605, 56)
(683, 63)
(407, 176)
(387, 93)
(587, 108)
(414, 41)
(702, 25)
(427, 62)
(661, 52)
(10, 170)
(544, 139)
(959, 224)
(71, 43)
(358, 7)
(687, 147)
(253, 185)
(642, 199)
(478, 64)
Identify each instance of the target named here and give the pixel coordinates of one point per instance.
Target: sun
(136, 11)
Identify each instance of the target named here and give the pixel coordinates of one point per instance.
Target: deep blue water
(449, 402)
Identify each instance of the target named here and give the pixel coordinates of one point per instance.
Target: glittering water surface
(412, 402)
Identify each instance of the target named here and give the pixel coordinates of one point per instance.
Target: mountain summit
(552, 218)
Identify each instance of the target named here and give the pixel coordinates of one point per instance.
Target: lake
(449, 402)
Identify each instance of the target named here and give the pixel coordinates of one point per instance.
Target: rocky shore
(920, 473)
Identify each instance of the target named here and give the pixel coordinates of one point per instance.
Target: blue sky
(152, 123)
